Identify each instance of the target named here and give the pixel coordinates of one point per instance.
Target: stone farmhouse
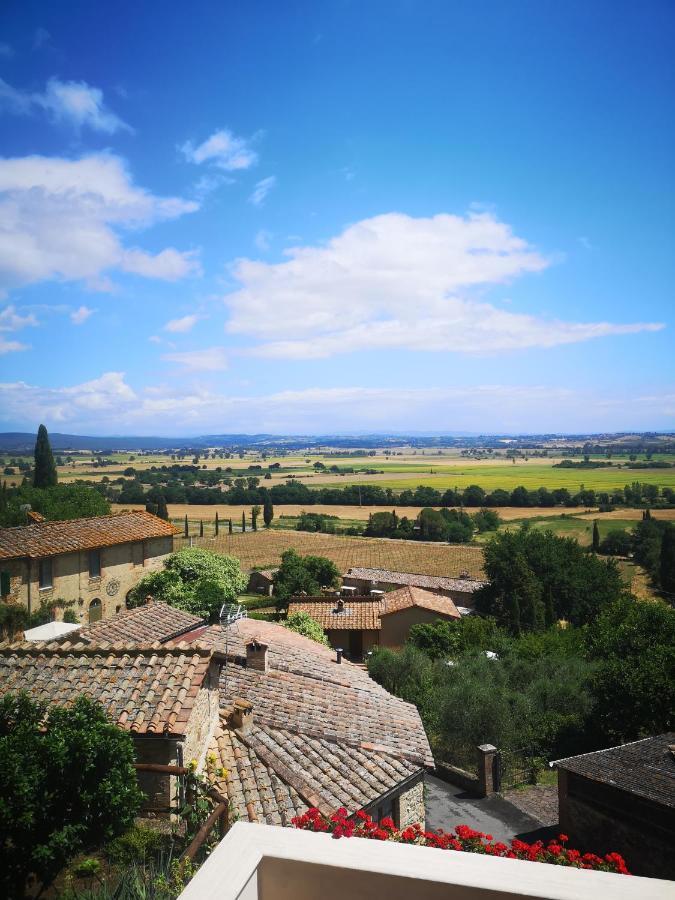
(357, 624)
(623, 799)
(166, 696)
(294, 725)
(360, 581)
(92, 563)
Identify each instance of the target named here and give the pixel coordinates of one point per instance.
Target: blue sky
(337, 216)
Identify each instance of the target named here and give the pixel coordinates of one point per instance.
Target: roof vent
(338, 655)
(257, 656)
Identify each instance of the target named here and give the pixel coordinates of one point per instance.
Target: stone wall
(396, 626)
(161, 790)
(203, 719)
(411, 805)
(122, 567)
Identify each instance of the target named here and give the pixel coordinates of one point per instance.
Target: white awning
(50, 631)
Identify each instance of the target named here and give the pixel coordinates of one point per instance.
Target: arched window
(95, 610)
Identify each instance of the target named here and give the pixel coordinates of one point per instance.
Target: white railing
(265, 862)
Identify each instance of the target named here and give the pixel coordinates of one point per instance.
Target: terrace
(263, 862)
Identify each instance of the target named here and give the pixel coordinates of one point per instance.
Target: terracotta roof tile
(407, 597)
(356, 613)
(430, 582)
(144, 688)
(49, 538)
(156, 621)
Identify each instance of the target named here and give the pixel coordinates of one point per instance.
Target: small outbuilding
(623, 799)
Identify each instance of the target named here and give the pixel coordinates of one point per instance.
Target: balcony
(263, 862)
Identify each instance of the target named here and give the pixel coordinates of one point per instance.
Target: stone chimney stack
(242, 715)
(257, 656)
(340, 605)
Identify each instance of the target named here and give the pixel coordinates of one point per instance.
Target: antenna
(230, 614)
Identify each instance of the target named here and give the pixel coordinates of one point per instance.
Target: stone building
(90, 563)
(298, 728)
(261, 581)
(623, 799)
(361, 581)
(357, 624)
(165, 695)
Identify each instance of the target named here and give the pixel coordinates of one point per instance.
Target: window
(94, 563)
(95, 610)
(5, 584)
(45, 574)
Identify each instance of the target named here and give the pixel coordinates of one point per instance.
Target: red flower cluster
(340, 824)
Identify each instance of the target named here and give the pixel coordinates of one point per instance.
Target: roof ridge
(116, 648)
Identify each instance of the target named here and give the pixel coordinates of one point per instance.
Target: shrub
(303, 623)
(67, 783)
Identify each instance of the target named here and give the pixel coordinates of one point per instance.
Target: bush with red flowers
(340, 824)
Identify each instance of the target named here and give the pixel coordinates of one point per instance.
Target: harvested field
(264, 549)
(207, 513)
(631, 515)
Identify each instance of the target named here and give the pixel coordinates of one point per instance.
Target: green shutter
(5, 584)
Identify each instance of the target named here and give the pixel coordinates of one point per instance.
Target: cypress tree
(268, 511)
(187, 527)
(549, 610)
(513, 614)
(44, 474)
(217, 524)
(201, 528)
(151, 507)
(243, 520)
(596, 536)
(667, 562)
(229, 526)
(162, 510)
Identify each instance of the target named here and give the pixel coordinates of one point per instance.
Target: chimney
(340, 605)
(338, 656)
(149, 600)
(257, 656)
(242, 715)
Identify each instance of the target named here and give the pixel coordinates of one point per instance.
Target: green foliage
(268, 511)
(44, 472)
(596, 537)
(303, 574)
(137, 844)
(544, 576)
(62, 501)
(486, 520)
(198, 581)
(633, 644)
(67, 784)
(616, 542)
(304, 624)
(667, 563)
(442, 639)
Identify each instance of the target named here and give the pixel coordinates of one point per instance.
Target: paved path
(448, 805)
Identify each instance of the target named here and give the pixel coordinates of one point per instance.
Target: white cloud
(80, 316)
(191, 409)
(224, 150)
(396, 282)
(11, 346)
(155, 339)
(212, 359)
(76, 103)
(11, 320)
(61, 218)
(180, 326)
(262, 239)
(261, 190)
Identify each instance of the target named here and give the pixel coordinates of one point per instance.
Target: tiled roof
(430, 582)
(407, 597)
(145, 688)
(49, 538)
(645, 768)
(324, 733)
(360, 614)
(156, 621)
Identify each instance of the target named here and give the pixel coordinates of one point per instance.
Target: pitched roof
(407, 597)
(155, 621)
(49, 538)
(360, 614)
(645, 768)
(145, 688)
(430, 582)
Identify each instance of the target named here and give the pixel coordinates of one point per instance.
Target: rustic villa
(92, 563)
(357, 624)
(360, 581)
